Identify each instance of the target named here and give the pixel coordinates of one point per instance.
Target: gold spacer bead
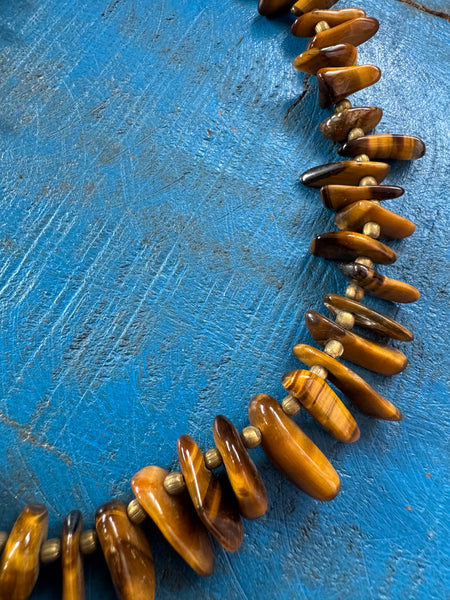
(362, 158)
(345, 319)
(4, 535)
(213, 458)
(88, 541)
(135, 512)
(372, 229)
(354, 292)
(50, 550)
(321, 26)
(355, 133)
(251, 436)
(363, 260)
(290, 405)
(369, 180)
(342, 106)
(174, 483)
(319, 371)
(334, 348)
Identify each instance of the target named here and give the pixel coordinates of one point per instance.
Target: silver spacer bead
(135, 512)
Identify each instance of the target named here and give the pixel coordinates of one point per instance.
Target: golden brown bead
(335, 83)
(311, 61)
(338, 126)
(355, 32)
(88, 541)
(347, 245)
(174, 483)
(355, 216)
(251, 436)
(348, 172)
(72, 558)
(306, 6)
(338, 196)
(386, 146)
(305, 25)
(50, 550)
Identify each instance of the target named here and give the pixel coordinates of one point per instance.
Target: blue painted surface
(155, 271)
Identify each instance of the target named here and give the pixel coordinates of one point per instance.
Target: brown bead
(71, 557)
(356, 215)
(385, 145)
(338, 196)
(270, 8)
(126, 552)
(19, 565)
(176, 519)
(336, 83)
(368, 318)
(306, 6)
(245, 480)
(354, 32)
(347, 172)
(335, 245)
(360, 393)
(375, 284)
(337, 126)
(215, 507)
(362, 351)
(291, 451)
(312, 60)
(322, 404)
(305, 25)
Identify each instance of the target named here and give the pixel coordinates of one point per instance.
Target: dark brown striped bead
(71, 557)
(386, 146)
(305, 6)
(337, 126)
(312, 60)
(338, 196)
(347, 172)
(376, 284)
(305, 25)
(335, 245)
(356, 215)
(354, 32)
(336, 83)
(270, 8)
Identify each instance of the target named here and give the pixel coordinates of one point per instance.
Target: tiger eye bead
(347, 172)
(306, 6)
(356, 215)
(354, 32)
(337, 126)
(311, 61)
(385, 146)
(71, 557)
(336, 83)
(337, 196)
(270, 8)
(19, 565)
(335, 245)
(305, 25)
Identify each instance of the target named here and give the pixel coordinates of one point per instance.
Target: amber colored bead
(385, 145)
(347, 172)
(354, 32)
(337, 126)
(19, 565)
(215, 507)
(335, 245)
(245, 480)
(362, 351)
(305, 25)
(356, 215)
(336, 197)
(306, 6)
(270, 8)
(358, 391)
(312, 60)
(322, 404)
(291, 451)
(175, 517)
(336, 83)
(368, 318)
(376, 284)
(126, 552)
(71, 557)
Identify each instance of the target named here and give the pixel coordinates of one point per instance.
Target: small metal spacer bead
(363, 260)
(354, 292)
(4, 535)
(345, 319)
(213, 459)
(251, 436)
(321, 26)
(334, 348)
(174, 483)
(372, 229)
(343, 105)
(319, 371)
(362, 158)
(50, 550)
(135, 512)
(369, 180)
(88, 541)
(290, 405)
(355, 133)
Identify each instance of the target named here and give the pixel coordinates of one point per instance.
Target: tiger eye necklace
(190, 505)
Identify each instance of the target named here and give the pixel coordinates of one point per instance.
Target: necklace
(270, 425)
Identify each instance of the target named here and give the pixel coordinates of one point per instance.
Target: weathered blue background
(155, 271)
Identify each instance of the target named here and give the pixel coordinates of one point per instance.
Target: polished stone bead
(175, 517)
(348, 172)
(368, 318)
(385, 145)
(19, 565)
(126, 552)
(348, 245)
(356, 215)
(376, 284)
(305, 6)
(214, 505)
(336, 83)
(305, 25)
(362, 351)
(270, 8)
(354, 32)
(312, 60)
(71, 557)
(245, 480)
(338, 125)
(358, 391)
(322, 404)
(338, 196)
(291, 451)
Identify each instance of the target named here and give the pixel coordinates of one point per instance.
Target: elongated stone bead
(354, 32)
(338, 126)
(356, 215)
(358, 391)
(336, 83)
(348, 172)
(362, 351)
(71, 557)
(291, 451)
(175, 517)
(322, 404)
(245, 480)
(305, 25)
(335, 245)
(376, 284)
(312, 60)
(368, 318)
(337, 196)
(305, 6)
(269, 8)
(126, 552)
(385, 145)
(216, 508)
(19, 565)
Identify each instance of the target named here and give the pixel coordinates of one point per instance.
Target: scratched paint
(155, 271)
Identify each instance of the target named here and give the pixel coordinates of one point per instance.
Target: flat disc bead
(312, 60)
(386, 146)
(305, 25)
(305, 6)
(71, 557)
(356, 215)
(268, 8)
(336, 83)
(354, 32)
(291, 451)
(337, 126)
(337, 196)
(335, 245)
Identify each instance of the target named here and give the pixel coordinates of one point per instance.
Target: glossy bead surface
(306, 6)
(19, 565)
(312, 60)
(245, 480)
(337, 196)
(126, 552)
(338, 125)
(216, 508)
(336, 83)
(386, 146)
(368, 318)
(348, 245)
(354, 32)
(347, 172)
(362, 351)
(291, 451)
(269, 8)
(358, 391)
(322, 404)
(71, 557)
(305, 25)
(356, 215)
(376, 284)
